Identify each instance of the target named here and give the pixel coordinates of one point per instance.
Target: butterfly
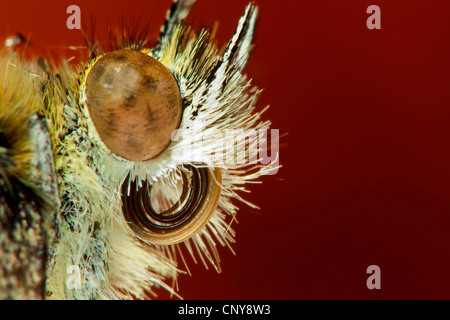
(113, 170)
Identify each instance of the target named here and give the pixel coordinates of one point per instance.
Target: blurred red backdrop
(366, 175)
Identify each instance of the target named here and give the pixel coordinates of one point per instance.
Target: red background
(366, 175)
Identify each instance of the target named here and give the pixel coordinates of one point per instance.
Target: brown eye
(134, 102)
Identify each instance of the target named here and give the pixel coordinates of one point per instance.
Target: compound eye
(134, 102)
